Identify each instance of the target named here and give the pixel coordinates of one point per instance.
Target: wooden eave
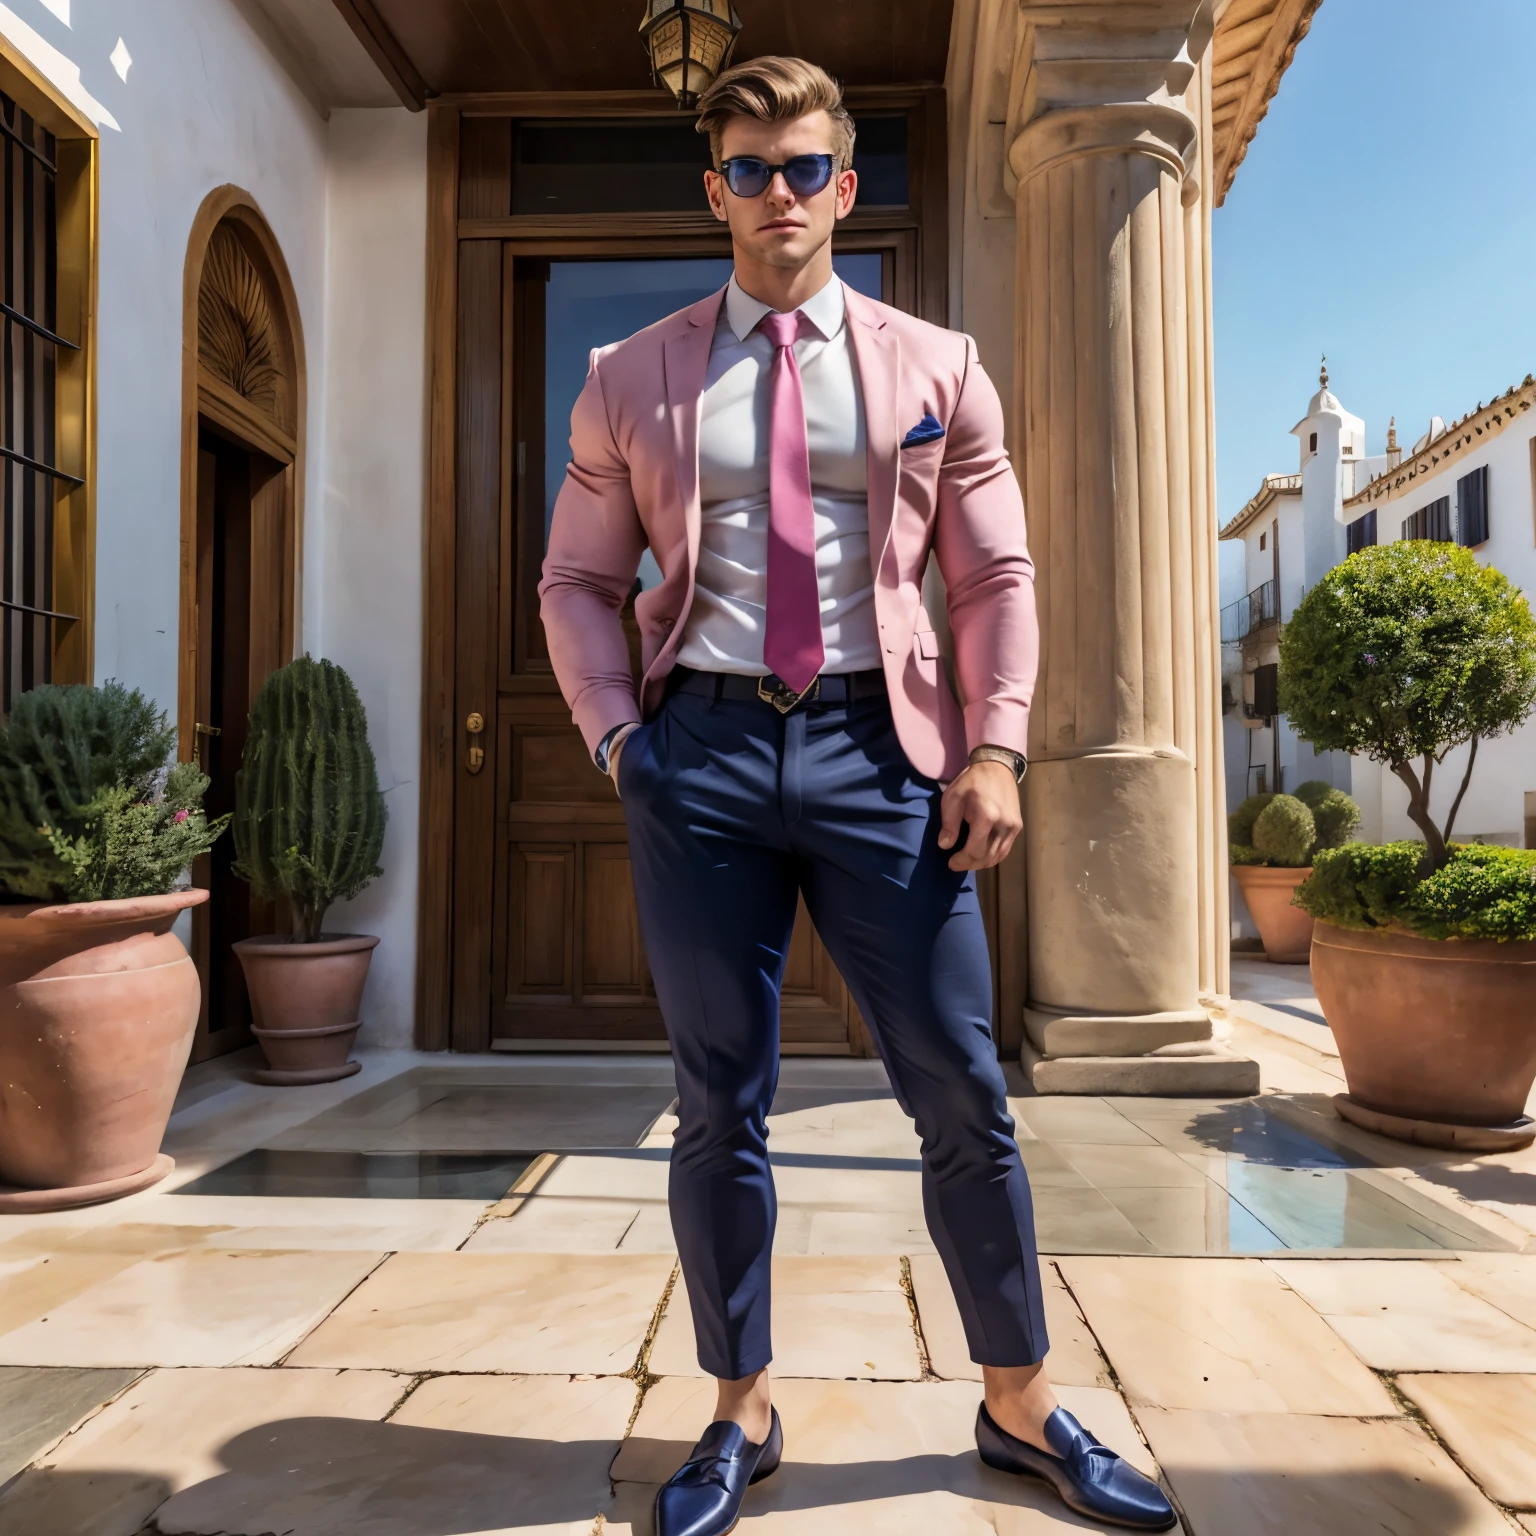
(1254, 44)
(1457, 441)
(1272, 489)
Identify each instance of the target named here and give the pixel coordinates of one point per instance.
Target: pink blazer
(634, 481)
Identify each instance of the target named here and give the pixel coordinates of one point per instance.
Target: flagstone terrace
(328, 1322)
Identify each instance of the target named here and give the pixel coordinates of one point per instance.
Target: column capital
(1093, 78)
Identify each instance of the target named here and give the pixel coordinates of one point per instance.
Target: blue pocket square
(924, 432)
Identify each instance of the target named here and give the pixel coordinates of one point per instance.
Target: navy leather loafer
(1090, 1477)
(705, 1494)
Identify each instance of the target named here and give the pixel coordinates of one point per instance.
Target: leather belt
(829, 688)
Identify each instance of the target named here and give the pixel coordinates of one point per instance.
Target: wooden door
(239, 573)
(543, 895)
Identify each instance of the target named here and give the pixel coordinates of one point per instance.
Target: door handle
(200, 734)
(474, 725)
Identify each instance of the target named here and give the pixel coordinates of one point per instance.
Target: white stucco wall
(204, 103)
(1505, 772)
(363, 570)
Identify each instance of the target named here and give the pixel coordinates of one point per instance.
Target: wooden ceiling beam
(385, 51)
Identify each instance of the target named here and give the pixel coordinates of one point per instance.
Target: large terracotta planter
(1285, 930)
(98, 1007)
(307, 1000)
(1431, 1033)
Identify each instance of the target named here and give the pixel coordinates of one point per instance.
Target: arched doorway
(242, 447)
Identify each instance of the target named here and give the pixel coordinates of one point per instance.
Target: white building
(1472, 482)
(1291, 533)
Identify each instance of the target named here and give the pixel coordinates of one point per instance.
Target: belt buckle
(782, 696)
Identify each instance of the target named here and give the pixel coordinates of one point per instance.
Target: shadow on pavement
(1508, 1186)
(319, 1476)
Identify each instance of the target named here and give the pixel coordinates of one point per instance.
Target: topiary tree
(1403, 652)
(1284, 833)
(309, 817)
(1240, 822)
(1335, 815)
(89, 810)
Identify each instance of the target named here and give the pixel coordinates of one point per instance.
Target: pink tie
(792, 645)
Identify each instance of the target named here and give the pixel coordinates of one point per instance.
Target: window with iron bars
(29, 461)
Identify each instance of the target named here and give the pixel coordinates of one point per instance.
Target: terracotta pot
(1437, 1030)
(98, 1007)
(1285, 930)
(307, 1000)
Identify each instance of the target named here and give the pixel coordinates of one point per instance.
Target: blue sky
(1386, 215)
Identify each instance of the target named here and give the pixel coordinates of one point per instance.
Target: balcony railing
(1240, 619)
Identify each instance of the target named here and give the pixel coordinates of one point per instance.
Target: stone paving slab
(535, 1314)
(1403, 1316)
(832, 1316)
(1218, 1334)
(202, 1308)
(463, 1454)
(1282, 1474)
(1507, 1280)
(1489, 1423)
(38, 1405)
(169, 1432)
(884, 1458)
(1074, 1359)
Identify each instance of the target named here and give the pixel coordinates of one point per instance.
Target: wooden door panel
(550, 766)
(541, 920)
(613, 963)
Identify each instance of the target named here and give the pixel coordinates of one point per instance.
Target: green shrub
(309, 817)
(1335, 814)
(1481, 892)
(1284, 832)
(1294, 826)
(1404, 652)
(88, 810)
(1240, 822)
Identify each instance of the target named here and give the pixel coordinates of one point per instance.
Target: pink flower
(181, 816)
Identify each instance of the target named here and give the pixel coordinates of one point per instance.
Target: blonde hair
(776, 90)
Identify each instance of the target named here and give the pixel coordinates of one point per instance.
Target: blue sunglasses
(805, 175)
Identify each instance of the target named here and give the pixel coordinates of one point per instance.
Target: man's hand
(986, 799)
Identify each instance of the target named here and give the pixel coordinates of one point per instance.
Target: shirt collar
(825, 310)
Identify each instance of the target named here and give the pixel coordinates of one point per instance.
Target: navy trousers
(733, 810)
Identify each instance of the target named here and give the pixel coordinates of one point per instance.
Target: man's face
(777, 228)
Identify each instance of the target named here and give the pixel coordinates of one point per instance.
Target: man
(790, 451)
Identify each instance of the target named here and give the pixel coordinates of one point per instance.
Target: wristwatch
(605, 746)
(1015, 762)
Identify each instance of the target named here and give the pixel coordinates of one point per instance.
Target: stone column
(1104, 154)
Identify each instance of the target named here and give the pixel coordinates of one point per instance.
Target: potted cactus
(98, 997)
(309, 824)
(1424, 954)
(1271, 841)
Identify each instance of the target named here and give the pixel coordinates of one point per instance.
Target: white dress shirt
(725, 625)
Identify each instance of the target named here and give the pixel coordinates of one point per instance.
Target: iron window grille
(33, 480)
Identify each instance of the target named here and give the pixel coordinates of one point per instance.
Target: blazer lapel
(685, 362)
(877, 351)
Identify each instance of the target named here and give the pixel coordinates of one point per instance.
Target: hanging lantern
(690, 42)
